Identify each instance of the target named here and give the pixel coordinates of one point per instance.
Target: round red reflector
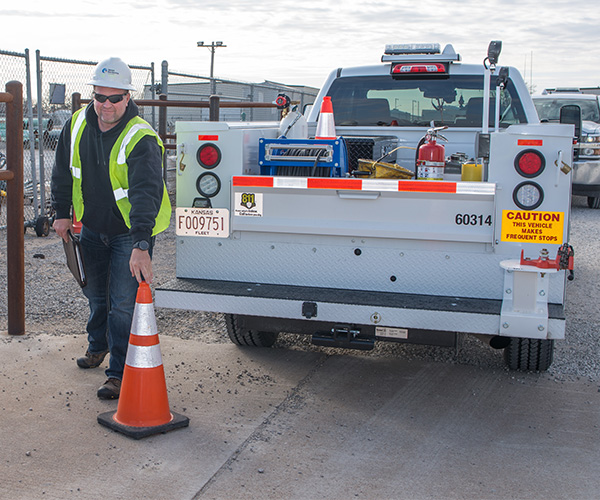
(530, 163)
(209, 155)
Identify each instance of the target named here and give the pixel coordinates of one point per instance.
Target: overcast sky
(299, 42)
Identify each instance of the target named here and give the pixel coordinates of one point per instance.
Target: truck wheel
(529, 354)
(593, 202)
(241, 336)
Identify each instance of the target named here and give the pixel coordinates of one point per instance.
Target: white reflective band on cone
(144, 321)
(139, 356)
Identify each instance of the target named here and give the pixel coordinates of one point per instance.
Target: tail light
(418, 68)
(209, 155)
(528, 195)
(530, 163)
(208, 184)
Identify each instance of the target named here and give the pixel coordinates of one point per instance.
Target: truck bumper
(367, 308)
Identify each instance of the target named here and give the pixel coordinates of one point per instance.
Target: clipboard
(75, 259)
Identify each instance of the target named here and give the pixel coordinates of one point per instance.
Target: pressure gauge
(208, 184)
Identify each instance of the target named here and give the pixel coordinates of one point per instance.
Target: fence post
(162, 131)
(213, 108)
(75, 102)
(15, 235)
(40, 138)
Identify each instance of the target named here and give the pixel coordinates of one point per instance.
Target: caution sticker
(521, 226)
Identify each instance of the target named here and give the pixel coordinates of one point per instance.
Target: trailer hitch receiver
(344, 336)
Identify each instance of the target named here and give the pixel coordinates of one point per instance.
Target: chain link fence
(49, 84)
(15, 66)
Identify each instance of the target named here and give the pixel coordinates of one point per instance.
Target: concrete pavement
(277, 423)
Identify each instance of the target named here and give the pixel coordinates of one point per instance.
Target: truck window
(456, 102)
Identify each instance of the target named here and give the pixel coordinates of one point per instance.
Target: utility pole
(212, 47)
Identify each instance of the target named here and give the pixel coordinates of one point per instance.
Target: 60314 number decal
(473, 220)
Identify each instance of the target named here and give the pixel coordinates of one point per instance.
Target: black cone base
(177, 422)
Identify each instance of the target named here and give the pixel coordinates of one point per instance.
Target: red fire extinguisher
(431, 158)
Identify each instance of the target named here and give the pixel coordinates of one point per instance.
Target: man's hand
(62, 227)
(140, 265)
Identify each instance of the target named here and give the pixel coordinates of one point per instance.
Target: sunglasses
(112, 98)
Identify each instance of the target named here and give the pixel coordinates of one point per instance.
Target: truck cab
(288, 235)
(411, 91)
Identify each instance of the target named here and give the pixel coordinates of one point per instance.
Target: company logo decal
(249, 204)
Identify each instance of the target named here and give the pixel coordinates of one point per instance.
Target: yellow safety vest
(135, 129)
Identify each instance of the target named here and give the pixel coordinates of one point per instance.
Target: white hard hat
(112, 73)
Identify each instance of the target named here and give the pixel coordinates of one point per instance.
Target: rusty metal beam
(196, 104)
(15, 237)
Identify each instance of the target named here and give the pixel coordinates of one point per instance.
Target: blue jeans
(111, 292)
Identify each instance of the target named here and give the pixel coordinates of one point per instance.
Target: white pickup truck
(291, 235)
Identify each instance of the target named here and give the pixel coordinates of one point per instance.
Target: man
(109, 169)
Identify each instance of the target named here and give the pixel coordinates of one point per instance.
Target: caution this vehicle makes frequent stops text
(435, 204)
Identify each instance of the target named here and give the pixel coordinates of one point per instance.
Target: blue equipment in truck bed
(303, 157)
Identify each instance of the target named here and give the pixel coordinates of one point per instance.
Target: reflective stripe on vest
(122, 158)
(76, 128)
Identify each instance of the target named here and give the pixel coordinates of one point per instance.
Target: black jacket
(101, 213)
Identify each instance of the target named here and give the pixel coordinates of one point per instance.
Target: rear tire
(241, 336)
(593, 202)
(529, 354)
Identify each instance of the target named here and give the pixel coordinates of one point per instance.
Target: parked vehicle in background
(54, 127)
(586, 168)
(3, 133)
(51, 127)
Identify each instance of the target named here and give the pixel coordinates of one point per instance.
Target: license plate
(208, 222)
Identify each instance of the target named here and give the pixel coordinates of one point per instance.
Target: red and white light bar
(393, 185)
(412, 68)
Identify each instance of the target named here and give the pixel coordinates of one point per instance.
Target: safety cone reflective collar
(326, 123)
(143, 407)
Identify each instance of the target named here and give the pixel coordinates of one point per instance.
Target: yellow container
(472, 172)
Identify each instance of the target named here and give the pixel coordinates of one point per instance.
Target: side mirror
(571, 114)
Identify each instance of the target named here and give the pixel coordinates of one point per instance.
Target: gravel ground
(55, 305)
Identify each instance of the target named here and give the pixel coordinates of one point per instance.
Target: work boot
(111, 389)
(91, 360)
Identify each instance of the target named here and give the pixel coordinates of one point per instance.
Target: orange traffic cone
(143, 407)
(326, 123)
